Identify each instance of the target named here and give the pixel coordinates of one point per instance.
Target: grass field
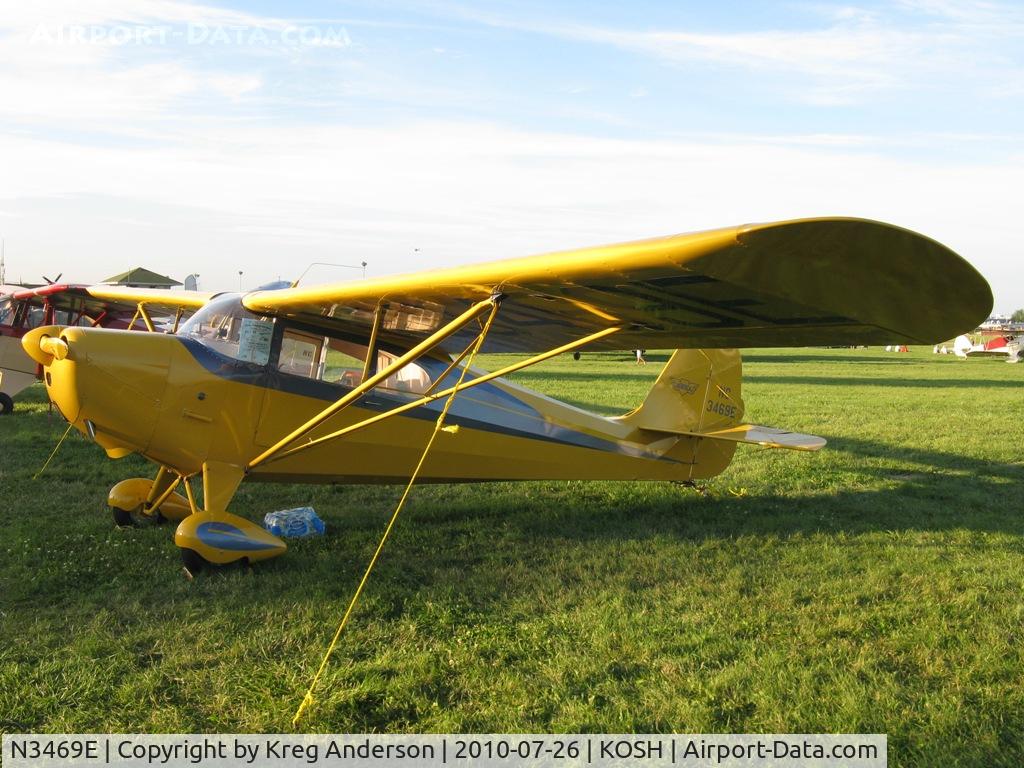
(877, 586)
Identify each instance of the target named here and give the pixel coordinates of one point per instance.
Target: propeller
(56, 279)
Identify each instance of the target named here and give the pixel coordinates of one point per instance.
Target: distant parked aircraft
(1007, 346)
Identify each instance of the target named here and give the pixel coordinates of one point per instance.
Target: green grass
(873, 587)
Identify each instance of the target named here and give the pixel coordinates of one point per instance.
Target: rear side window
(300, 354)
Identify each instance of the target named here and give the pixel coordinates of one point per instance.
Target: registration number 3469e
(722, 409)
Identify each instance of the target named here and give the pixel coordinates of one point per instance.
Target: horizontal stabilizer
(768, 437)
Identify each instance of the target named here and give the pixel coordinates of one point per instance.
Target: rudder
(697, 391)
(697, 394)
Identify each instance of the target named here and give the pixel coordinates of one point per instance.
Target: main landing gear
(138, 501)
(211, 536)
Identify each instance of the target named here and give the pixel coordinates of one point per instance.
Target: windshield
(225, 326)
(6, 315)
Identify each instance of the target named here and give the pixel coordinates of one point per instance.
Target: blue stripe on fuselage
(485, 407)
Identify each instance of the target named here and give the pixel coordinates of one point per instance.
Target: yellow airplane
(349, 383)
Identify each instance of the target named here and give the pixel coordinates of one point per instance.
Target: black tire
(6, 404)
(122, 518)
(193, 561)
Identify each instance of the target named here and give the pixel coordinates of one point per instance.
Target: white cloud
(856, 54)
(468, 192)
(25, 17)
(125, 66)
(102, 156)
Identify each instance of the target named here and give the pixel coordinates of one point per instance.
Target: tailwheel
(6, 404)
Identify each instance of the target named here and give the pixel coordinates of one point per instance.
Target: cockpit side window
(27, 316)
(341, 361)
(411, 378)
(300, 353)
(344, 362)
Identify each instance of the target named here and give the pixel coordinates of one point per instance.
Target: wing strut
(432, 396)
(475, 345)
(140, 311)
(420, 349)
(371, 349)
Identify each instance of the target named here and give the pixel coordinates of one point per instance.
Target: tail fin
(698, 394)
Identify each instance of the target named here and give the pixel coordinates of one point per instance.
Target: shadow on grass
(537, 377)
(942, 491)
(865, 381)
(855, 356)
(452, 550)
(921, 490)
(449, 562)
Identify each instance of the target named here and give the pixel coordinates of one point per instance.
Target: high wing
(791, 283)
(151, 297)
(104, 304)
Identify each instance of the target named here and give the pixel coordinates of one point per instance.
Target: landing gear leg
(138, 501)
(214, 536)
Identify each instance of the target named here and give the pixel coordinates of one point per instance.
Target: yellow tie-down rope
(307, 700)
(54, 453)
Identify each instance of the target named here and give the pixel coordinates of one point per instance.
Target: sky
(259, 139)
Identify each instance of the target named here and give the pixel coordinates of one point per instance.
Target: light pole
(240, 281)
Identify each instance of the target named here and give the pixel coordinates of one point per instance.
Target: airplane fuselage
(182, 404)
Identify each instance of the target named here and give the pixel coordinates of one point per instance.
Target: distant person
(640, 356)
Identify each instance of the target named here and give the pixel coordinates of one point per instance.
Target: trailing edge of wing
(792, 283)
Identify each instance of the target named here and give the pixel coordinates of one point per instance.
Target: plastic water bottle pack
(294, 523)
